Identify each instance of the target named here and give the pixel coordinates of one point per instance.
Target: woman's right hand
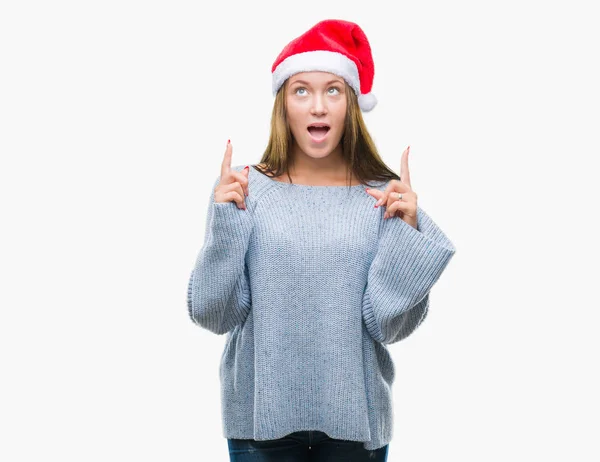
(233, 185)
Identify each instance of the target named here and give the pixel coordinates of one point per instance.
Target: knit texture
(311, 284)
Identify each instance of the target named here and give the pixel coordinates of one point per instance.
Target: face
(316, 98)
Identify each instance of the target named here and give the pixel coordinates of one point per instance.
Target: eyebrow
(306, 83)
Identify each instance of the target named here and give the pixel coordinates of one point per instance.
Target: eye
(330, 88)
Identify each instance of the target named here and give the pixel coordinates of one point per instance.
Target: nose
(318, 105)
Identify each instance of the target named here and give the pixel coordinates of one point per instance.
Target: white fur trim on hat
(367, 101)
(320, 60)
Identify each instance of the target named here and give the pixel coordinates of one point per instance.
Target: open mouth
(318, 132)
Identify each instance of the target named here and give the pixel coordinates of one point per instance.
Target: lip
(318, 140)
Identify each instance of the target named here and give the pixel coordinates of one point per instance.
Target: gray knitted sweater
(311, 284)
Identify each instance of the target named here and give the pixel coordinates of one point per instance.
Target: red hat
(335, 46)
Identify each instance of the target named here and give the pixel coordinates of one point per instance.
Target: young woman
(313, 262)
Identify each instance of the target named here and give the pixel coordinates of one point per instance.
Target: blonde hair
(358, 148)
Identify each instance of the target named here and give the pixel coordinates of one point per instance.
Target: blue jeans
(303, 446)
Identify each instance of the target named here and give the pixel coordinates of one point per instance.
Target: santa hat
(335, 46)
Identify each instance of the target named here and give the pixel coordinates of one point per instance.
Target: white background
(114, 117)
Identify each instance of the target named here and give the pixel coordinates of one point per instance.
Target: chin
(317, 153)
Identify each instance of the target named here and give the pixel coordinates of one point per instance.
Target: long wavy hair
(358, 148)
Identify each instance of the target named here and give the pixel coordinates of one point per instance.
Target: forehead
(315, 77)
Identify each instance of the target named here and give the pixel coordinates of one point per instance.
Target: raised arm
(407, 264)
(218, 296)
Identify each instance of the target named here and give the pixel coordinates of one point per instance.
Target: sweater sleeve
(218, 295)
(407, 264)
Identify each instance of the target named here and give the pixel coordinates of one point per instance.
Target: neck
(329, 168)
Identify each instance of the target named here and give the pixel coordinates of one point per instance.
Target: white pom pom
(367, 101)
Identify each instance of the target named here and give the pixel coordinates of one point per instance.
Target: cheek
(295, 120)
(294, 124)
(292, 113)
(340, 120)
(340, 114)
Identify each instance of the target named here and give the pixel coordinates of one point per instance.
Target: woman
(305, 272)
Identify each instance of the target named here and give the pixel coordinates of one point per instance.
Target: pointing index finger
(226, 164)
(404, 172)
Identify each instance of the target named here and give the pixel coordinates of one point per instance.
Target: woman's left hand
(399, 198)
